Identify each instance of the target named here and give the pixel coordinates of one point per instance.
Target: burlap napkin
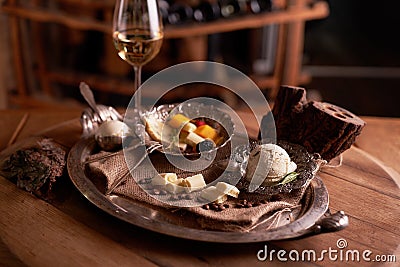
(237, 214)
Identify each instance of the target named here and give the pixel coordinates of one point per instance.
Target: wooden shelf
(315, 11)
(291, 15)
(100, 82)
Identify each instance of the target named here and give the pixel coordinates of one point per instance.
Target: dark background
(358, 33)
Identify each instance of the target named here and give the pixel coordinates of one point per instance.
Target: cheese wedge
(182, 146)
(193, 139)
(176, 187)
(194, 182)
(162, 179)
(189, 127)
(170, 177)
(213, 195)
(180, 120)
(221, 199)
(158, 180)
(228, 189)
(199, 143)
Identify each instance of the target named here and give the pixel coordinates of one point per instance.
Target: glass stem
(138, 81)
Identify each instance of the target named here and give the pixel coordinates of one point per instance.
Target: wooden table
(73, 232)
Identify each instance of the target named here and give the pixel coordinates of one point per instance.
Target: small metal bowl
(211, 114)
(111, 134)
(307, 167)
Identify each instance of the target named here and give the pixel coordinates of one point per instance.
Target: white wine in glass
(137, 35)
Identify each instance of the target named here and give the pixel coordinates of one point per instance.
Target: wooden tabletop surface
(73, 232)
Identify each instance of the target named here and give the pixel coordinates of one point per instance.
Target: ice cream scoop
(268, 164)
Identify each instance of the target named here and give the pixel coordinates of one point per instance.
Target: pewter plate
(291, 225)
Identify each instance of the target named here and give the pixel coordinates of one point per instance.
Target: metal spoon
(89, 97)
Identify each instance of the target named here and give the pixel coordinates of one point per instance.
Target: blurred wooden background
(56, 44)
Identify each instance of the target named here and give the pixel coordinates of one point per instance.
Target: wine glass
(137, 35)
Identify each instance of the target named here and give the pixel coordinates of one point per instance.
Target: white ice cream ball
(269, 163)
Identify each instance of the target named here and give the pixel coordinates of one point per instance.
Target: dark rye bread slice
(320, 127)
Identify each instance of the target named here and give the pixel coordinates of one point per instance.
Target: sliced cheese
(175, 188)
(212, 194)
(221, 199)
(170, 177)
(164, 179)
(180, 120)
(193, 139)
(159, 180)
(182, 146)
(189, 127)
(228, 189)
(194, 182)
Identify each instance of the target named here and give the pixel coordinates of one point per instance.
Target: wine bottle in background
(231, 8)
(207, 11)
(180, 12)
(259, 6)
(163, 6)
